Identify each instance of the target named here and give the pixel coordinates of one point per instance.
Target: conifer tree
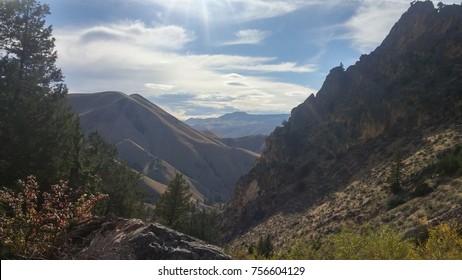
(175, 203)
(100, 172)
(38, 132)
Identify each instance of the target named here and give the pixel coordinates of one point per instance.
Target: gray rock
(118, 239)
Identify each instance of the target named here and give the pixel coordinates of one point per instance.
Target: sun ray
(205, 20)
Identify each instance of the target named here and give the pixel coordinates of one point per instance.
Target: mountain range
(158, 145)
(333, 165)
(239, 124)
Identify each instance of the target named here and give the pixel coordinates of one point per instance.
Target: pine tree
(38, 131)
(175, 203)
(101, 172)
(265, 247)
(396, 174)
(28, 47)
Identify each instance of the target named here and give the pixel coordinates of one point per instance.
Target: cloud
(168, 37)
(159, 86)
(248, 37)
(372, 22)
(233, 10)
(133, 57)
(280, 67)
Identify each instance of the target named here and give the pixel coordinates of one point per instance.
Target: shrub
(369, 243)
(395, 201)
(361, 243)
(444, 242)
(422, 189)
(451, 163)
(32, 222)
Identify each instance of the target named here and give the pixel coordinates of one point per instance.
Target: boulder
(132, 239)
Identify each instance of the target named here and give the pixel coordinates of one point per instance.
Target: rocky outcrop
(131, 239)
(406, 90)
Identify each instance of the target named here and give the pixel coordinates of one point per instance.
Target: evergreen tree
(396, 174)
(28, 49)
(175, 203)
(265, 247)
(204, 224)
(38, 132)
(101, 172)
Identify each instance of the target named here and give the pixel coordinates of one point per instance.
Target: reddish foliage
(32, 222)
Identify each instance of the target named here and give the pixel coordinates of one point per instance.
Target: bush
(395, 201)
(451, 163)
(368, 243)
(422, 190)
(384, 243)
(32, 222)
(444, 242)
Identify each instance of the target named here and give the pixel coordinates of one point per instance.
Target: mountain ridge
(239, 124)
(329, 165)
(209, 165)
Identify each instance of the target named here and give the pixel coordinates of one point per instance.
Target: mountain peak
(234, 115)
(334, 153)
(160, 145)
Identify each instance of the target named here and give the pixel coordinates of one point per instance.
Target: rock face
(398, 97)
(131, 239)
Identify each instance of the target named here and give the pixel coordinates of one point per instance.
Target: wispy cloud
(132, 57)
(372, 22)
(248, 37)
(235, 10)
(168, 37)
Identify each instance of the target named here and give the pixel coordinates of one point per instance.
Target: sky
(205, 58)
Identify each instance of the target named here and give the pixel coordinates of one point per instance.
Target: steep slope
(157, 144)
(329, 165)
(239, 124)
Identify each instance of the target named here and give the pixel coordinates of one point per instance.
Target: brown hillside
(146, 134)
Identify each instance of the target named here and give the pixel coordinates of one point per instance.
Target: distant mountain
(377, 145)
(157, 144)
(239, 124)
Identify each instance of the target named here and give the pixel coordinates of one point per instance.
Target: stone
(132, 239)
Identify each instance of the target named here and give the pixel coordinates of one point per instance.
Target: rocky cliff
(328, 166)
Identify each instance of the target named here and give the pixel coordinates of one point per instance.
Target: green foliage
(369, 243)
(38, 132)
(444, 242)
(32, 223)
(451, 163)
(396, 174)
(264, 248)
(174, 205)
(202, 223)
(383, 243)
(100, 171)
(29, 46)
